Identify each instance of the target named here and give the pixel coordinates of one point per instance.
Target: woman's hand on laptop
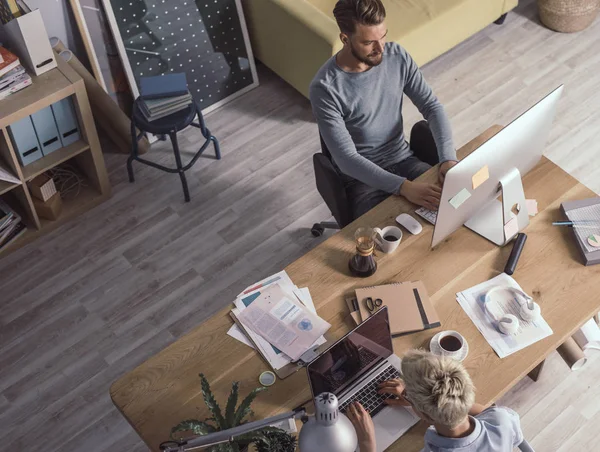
(422, 194)
(363, 424)
(394, 387)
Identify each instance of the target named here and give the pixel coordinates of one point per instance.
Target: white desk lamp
(327, 431)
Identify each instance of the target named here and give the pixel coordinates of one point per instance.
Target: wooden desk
(166, 388)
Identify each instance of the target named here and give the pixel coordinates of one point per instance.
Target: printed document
(275, 357)
(473, 302)
(283, 321)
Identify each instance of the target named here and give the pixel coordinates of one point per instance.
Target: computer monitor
(472, 187)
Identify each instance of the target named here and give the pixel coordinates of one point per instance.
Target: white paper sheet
(275, 357)
(237, 333)
(280, 278)
(472, 301)
(283, 321)
(276, 360)
(7, 176)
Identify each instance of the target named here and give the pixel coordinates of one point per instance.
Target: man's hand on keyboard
(444, 167)
(394, 387)
(422, 194)
(363, 424)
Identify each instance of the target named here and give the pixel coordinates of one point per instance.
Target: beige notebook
(409, 306)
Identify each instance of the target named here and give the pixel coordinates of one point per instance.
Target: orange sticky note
(480, 176)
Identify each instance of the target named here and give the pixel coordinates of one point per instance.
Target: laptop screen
(352, 356)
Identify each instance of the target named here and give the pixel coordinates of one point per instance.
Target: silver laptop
(352, 369)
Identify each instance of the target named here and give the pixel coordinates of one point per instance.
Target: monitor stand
(489, 222)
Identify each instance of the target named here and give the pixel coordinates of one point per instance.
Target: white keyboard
(426, 214)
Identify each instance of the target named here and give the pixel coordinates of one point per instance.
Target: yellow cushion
(427, 28)
(295, 37)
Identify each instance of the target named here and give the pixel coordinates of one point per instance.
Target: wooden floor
(88, 302)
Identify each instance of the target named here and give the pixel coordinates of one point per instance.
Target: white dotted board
(203, 38)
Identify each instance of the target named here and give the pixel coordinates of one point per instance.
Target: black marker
(511, 265)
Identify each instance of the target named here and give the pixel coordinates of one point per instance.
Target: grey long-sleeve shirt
(360, 116)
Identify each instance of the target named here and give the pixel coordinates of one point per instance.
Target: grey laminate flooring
(88, 302)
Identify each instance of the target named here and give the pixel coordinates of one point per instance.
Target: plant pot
(568, 16)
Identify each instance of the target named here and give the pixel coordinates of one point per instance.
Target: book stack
(163, 95)
(13, 77)
(11, 226)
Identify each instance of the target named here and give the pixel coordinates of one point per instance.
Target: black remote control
(511, 265)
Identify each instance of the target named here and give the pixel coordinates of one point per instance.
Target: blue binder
(25, 141)
(66, 121)
(46, 130)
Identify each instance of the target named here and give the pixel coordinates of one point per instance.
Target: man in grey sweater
(357, 100)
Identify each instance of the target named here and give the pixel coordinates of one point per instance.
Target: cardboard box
(42, 187)
(49, 209)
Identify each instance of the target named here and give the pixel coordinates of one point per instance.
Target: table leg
(572, 354)
(536, 371)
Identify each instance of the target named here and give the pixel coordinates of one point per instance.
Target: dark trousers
(363, 197)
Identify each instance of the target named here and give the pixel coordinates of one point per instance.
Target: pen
(575, 224)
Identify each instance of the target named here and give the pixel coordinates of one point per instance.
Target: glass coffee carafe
(363, 262)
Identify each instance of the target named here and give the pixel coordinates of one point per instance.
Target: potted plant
(279, 442)
(269, 438)
(568, 16)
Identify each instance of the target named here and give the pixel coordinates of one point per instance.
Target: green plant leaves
(211, 403)
(280, 441)
(253, 437)
(233, 418)
(194, 425)
(231, 404)
(244, 408)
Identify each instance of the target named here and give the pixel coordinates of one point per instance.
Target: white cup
(451, 353)
(388, 246)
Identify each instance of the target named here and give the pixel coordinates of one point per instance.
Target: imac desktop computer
(473, 186)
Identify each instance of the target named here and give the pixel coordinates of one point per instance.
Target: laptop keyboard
(368, 396)
(426, 214)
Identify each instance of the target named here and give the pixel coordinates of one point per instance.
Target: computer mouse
(411, 225)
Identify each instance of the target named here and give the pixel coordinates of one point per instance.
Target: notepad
(589, 213)
(409, 307)
(585, 209)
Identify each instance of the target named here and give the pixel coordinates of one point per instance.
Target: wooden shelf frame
(86, 154)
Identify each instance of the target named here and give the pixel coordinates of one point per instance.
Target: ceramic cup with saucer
(451, 344)
(388, 238)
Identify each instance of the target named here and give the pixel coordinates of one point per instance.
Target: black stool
(169, 125)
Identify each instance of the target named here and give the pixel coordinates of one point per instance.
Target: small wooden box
(42, 187)
(49, 209)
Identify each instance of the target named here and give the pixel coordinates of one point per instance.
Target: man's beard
(369, 61)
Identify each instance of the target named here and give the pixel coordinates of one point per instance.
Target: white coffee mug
(388, 246)
(456, 337)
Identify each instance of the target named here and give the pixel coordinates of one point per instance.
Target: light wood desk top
(166, 389)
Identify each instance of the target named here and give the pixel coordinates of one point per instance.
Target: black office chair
(331, 186)
(332, 190)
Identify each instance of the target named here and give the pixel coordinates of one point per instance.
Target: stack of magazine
(13, 77)
(11, 226)
(163, 95)
(293, 307)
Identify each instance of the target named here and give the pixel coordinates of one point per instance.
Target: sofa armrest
(292, 38)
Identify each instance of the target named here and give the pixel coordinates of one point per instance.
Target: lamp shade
(329, 430)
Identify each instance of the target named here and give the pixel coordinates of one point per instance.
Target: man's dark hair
(348, 13)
